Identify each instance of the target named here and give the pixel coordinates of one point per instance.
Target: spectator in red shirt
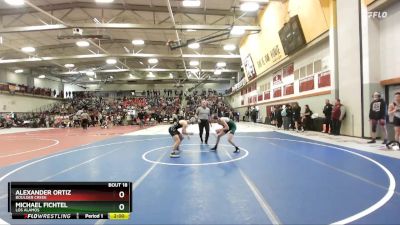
(338, 114)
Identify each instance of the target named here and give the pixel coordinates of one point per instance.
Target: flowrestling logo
(377, 14)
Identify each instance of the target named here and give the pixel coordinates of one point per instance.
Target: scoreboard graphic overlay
(70, 200)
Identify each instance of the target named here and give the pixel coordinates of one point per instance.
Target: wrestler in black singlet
(173, 130)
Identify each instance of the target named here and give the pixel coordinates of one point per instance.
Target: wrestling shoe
(175, 154)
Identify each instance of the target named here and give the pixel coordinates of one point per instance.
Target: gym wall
(17, 103)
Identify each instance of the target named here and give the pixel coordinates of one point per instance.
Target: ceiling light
(194, 63)
(218, 72)
(233, 77)
(42, 76)
(194, 45)
(104, 1)
(69, 65)
(153, 61)
(151, 75)
(229, 47)
(91, 78)
(195, 71)
(237, 31)
(221, 64)
(138, 42)
(111, 61)
(28, 49)
(90, 73)
(15, 2)
(249, 6)
(171, 75)
(82, 44)
(19, 71)
(190, 30)
(191, 3)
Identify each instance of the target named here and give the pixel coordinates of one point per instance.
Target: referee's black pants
(204, 124)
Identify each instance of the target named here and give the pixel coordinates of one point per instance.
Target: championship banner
(277, 78)
(267, 95)
(289, 89)
(288, 70)
(239, 85)
(277, 92)
(249, 67)
(324, 79)
(260, 97)
(306, 84)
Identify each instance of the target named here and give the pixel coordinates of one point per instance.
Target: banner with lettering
(306, 84)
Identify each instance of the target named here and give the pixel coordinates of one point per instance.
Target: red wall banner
(288, 89)
(277, 79)
(288, 70)
(260, 98)
(267, 95)
(324, 79)
(306, 84)
(277, 92)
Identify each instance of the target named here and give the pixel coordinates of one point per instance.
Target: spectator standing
(296, 115)
(254, 113)
(272, 116)
(285, 117)
(377, 115)
(307, 118)
(338, 114)
(394, 113)
(289, 112)
(278, 114)
(141, 118)
(328, 115)
(85, 119)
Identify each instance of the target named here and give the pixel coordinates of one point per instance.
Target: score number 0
(121, 195)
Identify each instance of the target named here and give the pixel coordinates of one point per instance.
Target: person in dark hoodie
(279, 118)
(377, 115)
(328, 115)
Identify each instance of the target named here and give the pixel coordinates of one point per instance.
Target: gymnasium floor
(278, 178)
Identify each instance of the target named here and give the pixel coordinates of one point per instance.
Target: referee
(203, 113)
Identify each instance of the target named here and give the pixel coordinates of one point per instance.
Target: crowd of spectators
(215, 103)
(153, 106)
(291, 116)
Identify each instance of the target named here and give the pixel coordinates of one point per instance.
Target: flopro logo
(377, 14)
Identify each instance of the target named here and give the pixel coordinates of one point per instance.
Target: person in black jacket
(328, 115)
(279, 119)
(296, 109)
(307, 120)
(377, 114)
